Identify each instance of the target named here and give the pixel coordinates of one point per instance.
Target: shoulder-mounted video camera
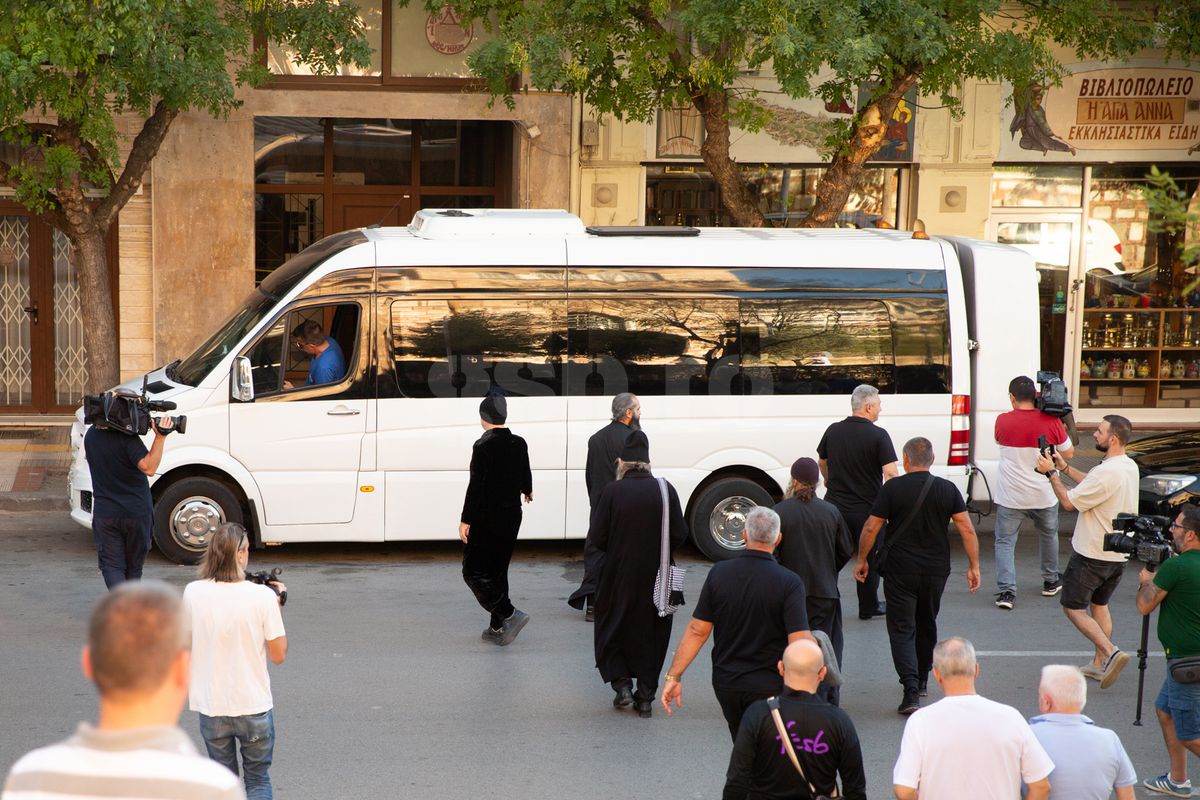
(1052, 395)
(128, 412)
(1145, 537)
(268, 579)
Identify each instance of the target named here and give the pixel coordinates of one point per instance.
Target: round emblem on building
(446, 33)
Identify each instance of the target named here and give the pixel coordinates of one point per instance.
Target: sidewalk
(33, 467)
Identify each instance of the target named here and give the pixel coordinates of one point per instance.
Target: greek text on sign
(1098, 111)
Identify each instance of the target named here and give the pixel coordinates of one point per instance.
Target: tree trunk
(714, 110)
(869, 126)
(95, 296)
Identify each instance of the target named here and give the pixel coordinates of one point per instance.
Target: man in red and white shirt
(1022, 493)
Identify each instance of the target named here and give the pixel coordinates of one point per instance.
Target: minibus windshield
(193, 368)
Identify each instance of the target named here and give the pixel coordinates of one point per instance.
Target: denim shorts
(1182, 702)
(1089, 581)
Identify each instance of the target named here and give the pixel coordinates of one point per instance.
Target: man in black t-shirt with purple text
(856, 457)
(915, 561)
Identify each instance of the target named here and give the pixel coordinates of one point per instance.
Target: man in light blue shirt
(1089, 762)
(328, 363)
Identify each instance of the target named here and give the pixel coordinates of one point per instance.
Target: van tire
(187, 511)
(718, 517)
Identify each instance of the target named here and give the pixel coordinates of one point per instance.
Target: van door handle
(342, 411)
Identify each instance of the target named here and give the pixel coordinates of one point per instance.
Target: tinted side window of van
(815, 345)
(653, 346)
(461, 348)
(921, 331)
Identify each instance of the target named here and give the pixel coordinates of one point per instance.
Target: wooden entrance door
(360, 210)
(43, 363)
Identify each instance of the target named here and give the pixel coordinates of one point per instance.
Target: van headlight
(1166, 485)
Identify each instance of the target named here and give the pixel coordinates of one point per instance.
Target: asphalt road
(388, 690)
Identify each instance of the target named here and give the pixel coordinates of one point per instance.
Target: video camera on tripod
(1145, 537)
(128, 412)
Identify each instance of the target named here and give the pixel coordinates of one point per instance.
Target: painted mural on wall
(795, 133)
(1132, 113)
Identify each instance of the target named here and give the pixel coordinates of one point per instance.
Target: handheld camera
(1052, 396)
(128, 412)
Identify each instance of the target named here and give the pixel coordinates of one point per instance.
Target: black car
(1169, 464)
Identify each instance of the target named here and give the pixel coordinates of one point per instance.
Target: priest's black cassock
(604, 447)
(631, 639)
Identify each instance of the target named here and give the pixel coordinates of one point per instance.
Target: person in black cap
(816, 545)
(604, 448)
(631, 639)
(491, 518)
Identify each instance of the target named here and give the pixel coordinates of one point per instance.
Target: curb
(32, 502)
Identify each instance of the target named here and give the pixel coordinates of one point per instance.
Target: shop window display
(1140, 334)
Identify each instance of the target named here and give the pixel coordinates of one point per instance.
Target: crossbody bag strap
(891, 540)
(773, 703)
(664, 554)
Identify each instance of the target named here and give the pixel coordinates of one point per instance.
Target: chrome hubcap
(193, 519)
(728, 520)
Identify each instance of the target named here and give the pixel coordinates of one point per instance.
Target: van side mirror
(241, 381)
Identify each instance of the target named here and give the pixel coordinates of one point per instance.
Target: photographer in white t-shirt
(1093, 573)
(236, 626)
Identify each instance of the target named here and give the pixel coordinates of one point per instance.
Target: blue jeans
(255, 733)
(1008, 523)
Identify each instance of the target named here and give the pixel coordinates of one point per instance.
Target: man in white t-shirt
(1092, 574)
(236, 626)
(965, 745)
(1021, 493)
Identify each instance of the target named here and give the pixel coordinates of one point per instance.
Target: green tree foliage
(70, 68)
(1171, 215)
(629, 58)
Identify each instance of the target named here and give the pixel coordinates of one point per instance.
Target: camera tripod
(1142, 653)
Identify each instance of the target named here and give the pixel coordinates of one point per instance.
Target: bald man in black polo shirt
(754, 608)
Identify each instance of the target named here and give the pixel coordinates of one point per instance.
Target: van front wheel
(719, 516)
(187, 513)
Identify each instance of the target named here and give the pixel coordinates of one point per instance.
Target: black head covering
(637, 448)
(494, 409)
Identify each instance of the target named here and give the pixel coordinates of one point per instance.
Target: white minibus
(743, 345)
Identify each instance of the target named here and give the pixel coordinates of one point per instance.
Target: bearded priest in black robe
(631, 639)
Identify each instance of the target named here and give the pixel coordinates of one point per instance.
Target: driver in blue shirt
(328, 364)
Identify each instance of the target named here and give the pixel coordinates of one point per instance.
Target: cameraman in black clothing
(122, 510)
(822, 735)
(491, 518)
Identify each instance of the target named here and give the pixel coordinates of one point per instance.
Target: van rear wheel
(187, 513)
(719, 516)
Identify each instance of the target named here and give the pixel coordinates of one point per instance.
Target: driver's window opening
(306, 347)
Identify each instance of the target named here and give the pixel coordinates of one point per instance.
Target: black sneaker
(1005, 600)
(513, 626)
(923, 688)
(910, 704)
(1051, 588)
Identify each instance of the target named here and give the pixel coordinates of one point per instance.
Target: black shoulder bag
(890, 540)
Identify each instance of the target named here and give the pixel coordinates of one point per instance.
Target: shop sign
(446, 34)
(1125, 114)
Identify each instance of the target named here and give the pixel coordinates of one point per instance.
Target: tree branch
(145, 147)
